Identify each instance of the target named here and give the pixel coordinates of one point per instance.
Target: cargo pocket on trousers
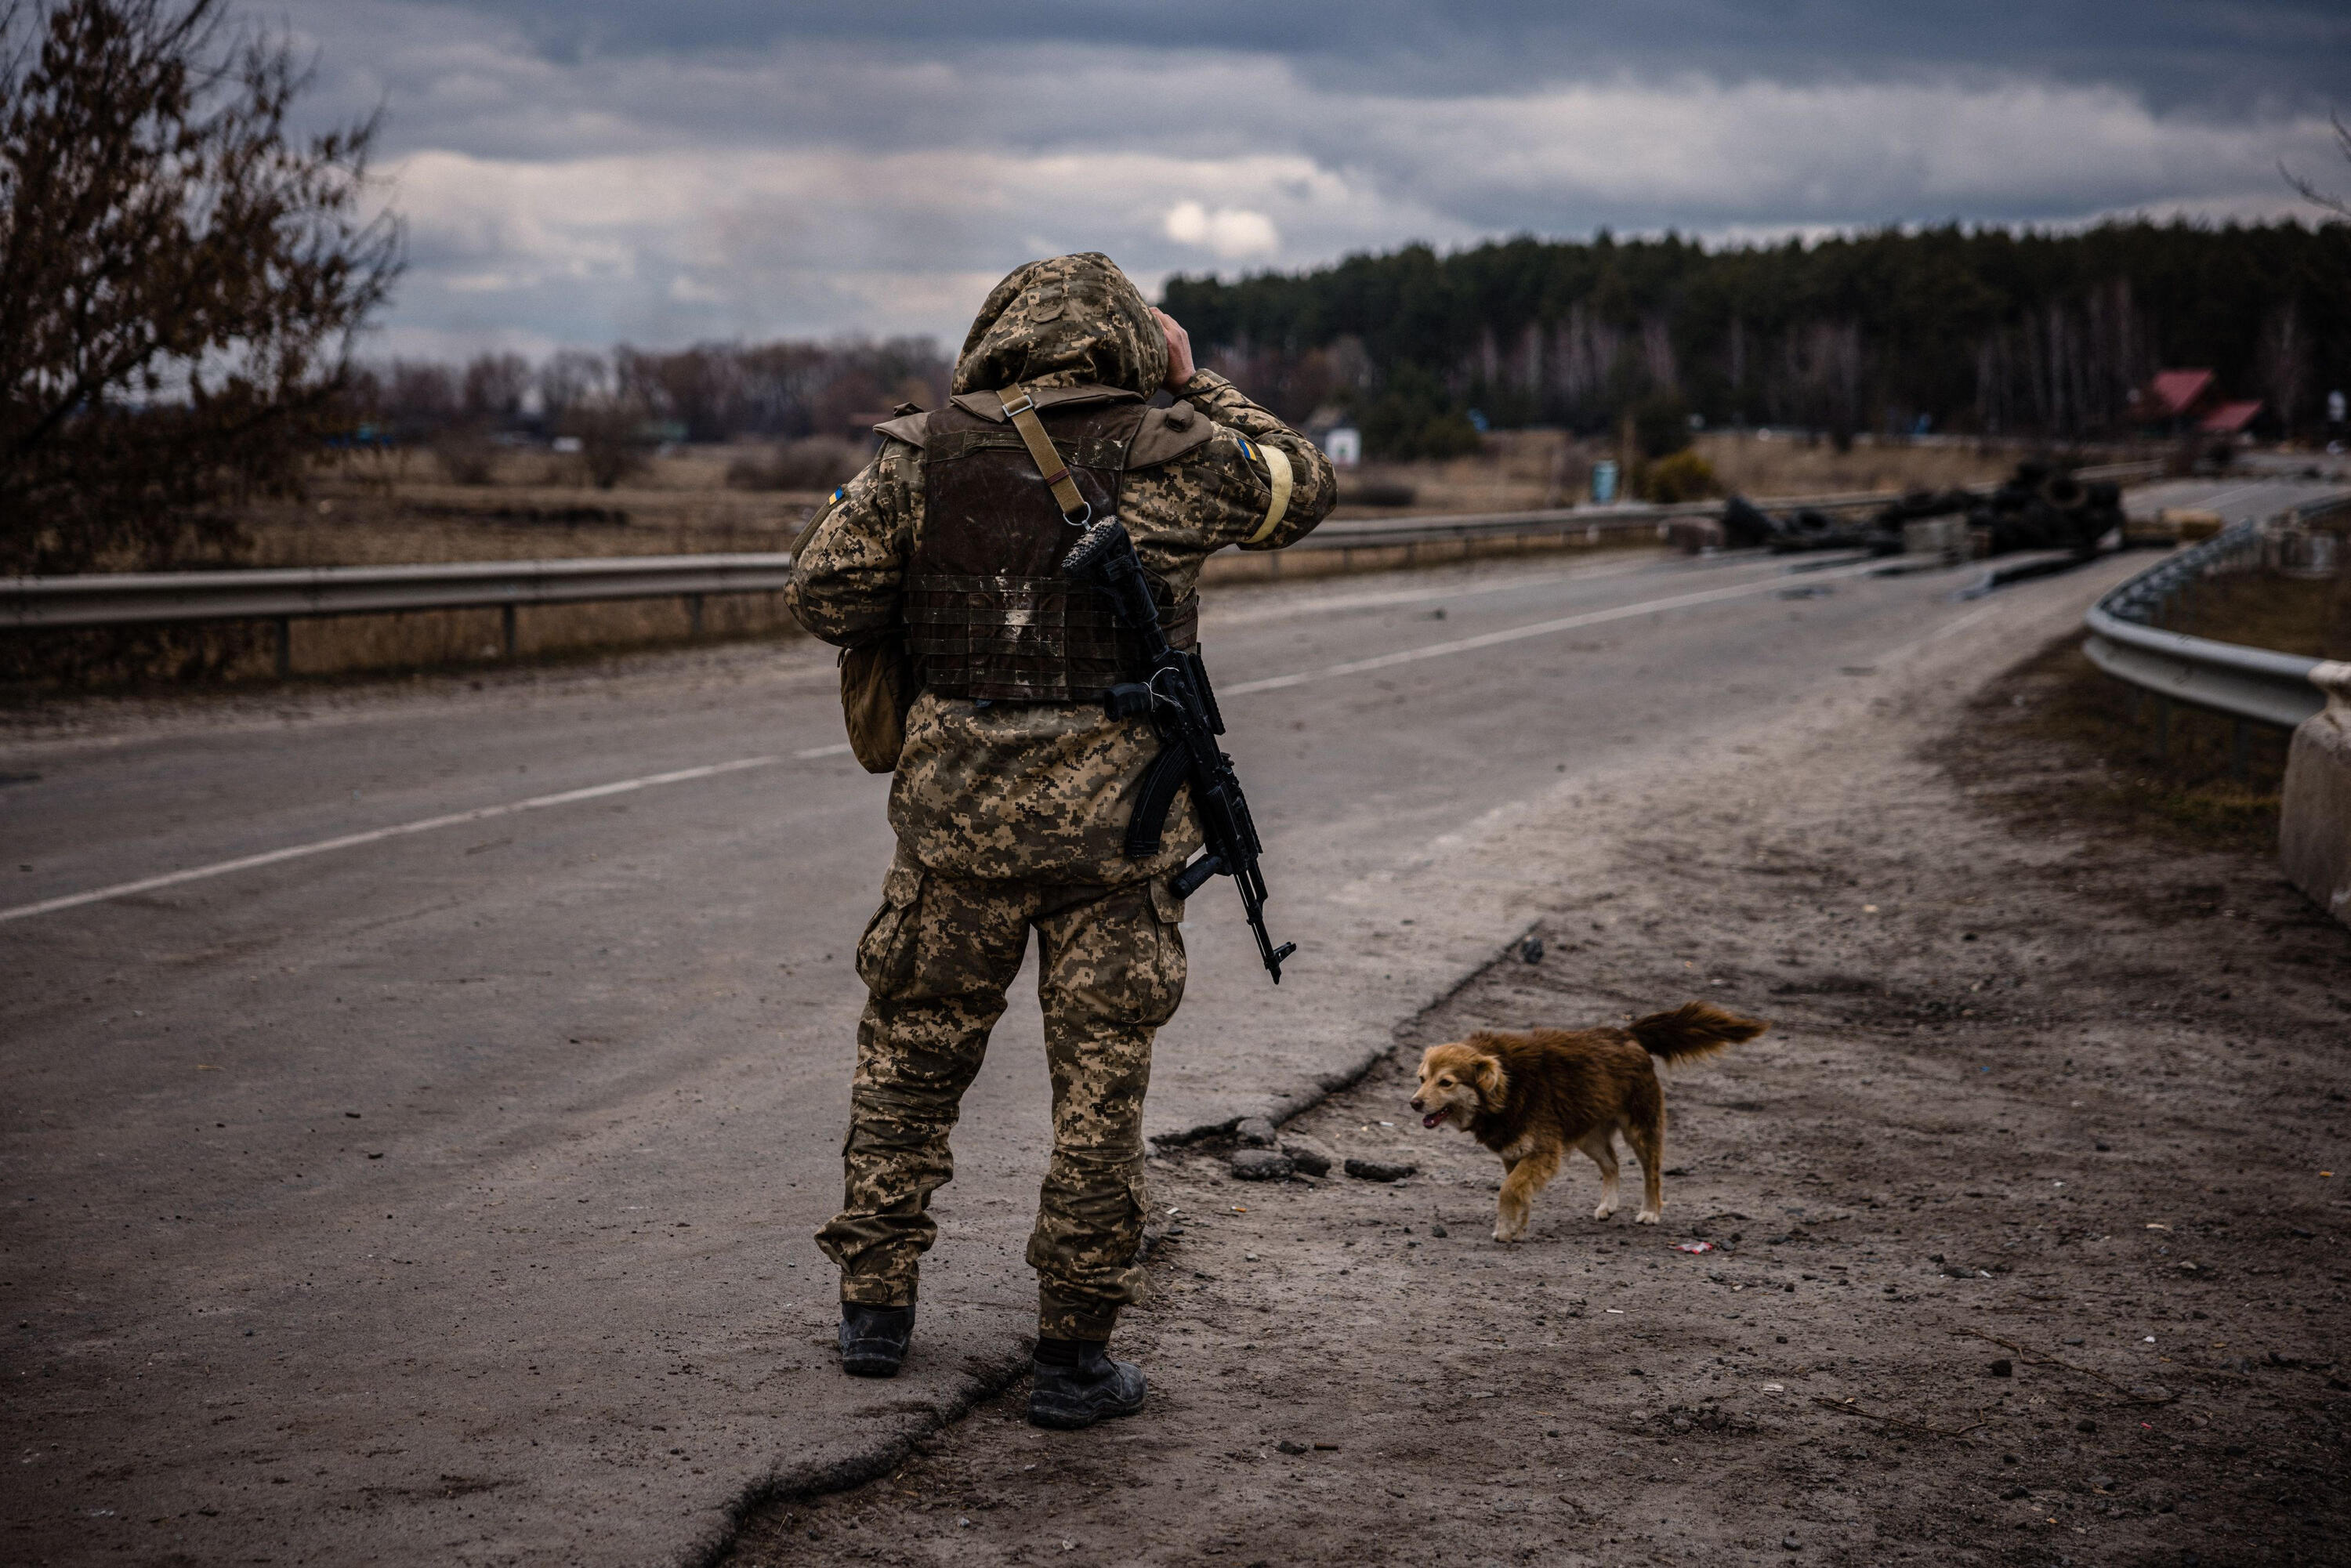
(1169, 965)
(886, 953)
(1135, 1284)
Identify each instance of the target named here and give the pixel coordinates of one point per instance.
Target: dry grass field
(400, 509)
(403, 507)
(1524, 469)
(1755, 464)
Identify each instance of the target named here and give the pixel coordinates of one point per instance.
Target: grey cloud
(453, 75)
(600, 171)
(448, 78)
(2218, 54)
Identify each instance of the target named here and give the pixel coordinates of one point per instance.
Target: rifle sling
(1021, 409)
(1168, 771)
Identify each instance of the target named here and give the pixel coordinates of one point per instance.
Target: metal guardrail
(131, 598)
(2121, 473)
(284, 596)
(2253, 685)
(1598, 522)
(1593, 522)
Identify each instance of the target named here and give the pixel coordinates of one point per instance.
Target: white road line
(1945, 630)
(1970, 619)
(1538, 629)
(841, 749)
(1218, 619)
(2205, 497)
(376, 835)
(2229, 497)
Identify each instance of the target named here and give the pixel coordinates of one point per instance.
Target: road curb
(843, 1472)
(1280, 1108)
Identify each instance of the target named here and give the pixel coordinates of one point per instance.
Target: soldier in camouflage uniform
(1013, 787)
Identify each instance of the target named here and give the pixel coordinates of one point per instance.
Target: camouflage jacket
(1012, 790)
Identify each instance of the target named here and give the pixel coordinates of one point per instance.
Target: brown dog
(1532, 1097)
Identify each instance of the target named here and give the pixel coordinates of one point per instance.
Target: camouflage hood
(1072, 319)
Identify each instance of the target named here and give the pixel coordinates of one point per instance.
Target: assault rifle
(1174, 690)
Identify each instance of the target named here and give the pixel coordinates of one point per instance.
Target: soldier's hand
(1179, 348)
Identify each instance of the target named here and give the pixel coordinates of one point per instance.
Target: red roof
(2174, 392)
(2230, 418)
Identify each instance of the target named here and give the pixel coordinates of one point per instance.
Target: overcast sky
(597, 171)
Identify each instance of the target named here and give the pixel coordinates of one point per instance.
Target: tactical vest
(987, 613)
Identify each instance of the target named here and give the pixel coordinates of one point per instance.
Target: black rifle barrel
(1183, 711)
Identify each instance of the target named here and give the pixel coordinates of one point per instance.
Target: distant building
(2184, 402)
(2229, 418)
(1344, 445)
(2176, 399)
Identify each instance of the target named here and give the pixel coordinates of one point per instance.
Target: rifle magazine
(1148, 826)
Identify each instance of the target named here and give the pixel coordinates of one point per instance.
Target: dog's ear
(1487, 1074)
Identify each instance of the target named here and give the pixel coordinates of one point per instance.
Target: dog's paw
(1603, 1211)
(1506, 1232)
(1649, 1216)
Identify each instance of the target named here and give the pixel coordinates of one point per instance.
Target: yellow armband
(1277, 471)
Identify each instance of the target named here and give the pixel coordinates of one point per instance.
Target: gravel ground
(2026, 1225)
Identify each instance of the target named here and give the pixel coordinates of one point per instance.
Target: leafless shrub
(614, 443)
(1683, 477)
(467, 456)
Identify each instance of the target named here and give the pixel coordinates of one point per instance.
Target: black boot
(873, 1339)
(1077, 1384)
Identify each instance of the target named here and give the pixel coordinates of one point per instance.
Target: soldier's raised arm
(1280, 483)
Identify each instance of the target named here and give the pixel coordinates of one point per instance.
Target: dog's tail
(1693, 1029)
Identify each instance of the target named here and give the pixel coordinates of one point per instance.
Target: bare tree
(495, 385)
(466, 445)
(415, 398)
(571, 376)
(179, 278)
(2308, 191)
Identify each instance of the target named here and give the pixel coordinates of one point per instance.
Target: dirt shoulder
(2027, 1222)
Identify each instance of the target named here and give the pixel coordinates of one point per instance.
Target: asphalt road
(444, 1194)
(2252, 494)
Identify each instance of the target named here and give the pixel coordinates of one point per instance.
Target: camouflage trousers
(936, 961)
